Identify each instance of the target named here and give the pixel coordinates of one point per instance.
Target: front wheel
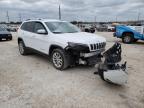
(22, 48)
(60, 59)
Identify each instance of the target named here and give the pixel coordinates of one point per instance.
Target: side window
(28, 26)
(23, 27)
(39, 26)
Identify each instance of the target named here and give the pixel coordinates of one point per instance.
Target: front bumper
(86, 55)
(94, 59)
(80, 54)
(6, 36)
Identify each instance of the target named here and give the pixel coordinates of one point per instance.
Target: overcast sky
(84, 10)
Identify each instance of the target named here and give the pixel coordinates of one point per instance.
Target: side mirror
(41, 31)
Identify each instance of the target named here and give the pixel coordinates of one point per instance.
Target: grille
(97, 46)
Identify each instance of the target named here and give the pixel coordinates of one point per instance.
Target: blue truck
(129, 34)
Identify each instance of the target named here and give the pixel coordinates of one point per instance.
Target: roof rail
(28, 19)
(34, 19)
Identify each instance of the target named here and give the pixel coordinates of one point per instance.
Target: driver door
(40, 41)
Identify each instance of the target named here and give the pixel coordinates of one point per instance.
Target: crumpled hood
(81, 37)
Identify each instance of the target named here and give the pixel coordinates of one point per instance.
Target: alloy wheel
(21, 47)
(57, 59)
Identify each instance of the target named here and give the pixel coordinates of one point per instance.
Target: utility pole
(7, 15)
(59, 12)
(0, 12)
(138, 18)
(95, 19)
(116, 19)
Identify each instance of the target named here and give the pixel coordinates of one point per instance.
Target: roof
(44, 20)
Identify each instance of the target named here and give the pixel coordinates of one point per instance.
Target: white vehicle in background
(110, 28)
(13, 28)
(62, 41)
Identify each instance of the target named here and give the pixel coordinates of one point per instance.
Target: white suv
(62, 41)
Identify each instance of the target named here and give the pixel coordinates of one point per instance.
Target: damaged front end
(80, 54)
(111, 70)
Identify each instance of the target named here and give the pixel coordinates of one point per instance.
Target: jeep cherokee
(63, 42)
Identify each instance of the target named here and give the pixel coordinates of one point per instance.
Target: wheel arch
(124, 33)
(19, 39)
(52, 47)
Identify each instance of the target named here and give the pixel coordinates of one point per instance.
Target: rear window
(28, 26)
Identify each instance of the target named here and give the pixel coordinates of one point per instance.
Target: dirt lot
(32, 82)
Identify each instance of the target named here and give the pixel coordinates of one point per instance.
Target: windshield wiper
(72, 32)
(57, 32)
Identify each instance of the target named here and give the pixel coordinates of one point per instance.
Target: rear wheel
(127, 38)
(60, 59)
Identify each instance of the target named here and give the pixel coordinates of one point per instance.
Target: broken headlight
(77, 47)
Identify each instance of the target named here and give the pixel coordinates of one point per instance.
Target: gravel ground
(32, 82)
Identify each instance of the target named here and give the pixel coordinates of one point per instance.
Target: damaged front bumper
(86, 55)
(111, 70)
(81, 54)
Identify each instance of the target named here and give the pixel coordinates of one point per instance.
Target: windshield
(62, 27)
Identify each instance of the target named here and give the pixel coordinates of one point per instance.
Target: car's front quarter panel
(57, 41)
(24, 35)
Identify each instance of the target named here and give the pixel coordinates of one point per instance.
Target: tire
(87, 30)
(22, 48)
(10, 38)
(92, 31)
(60, 59)
(127, 38)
